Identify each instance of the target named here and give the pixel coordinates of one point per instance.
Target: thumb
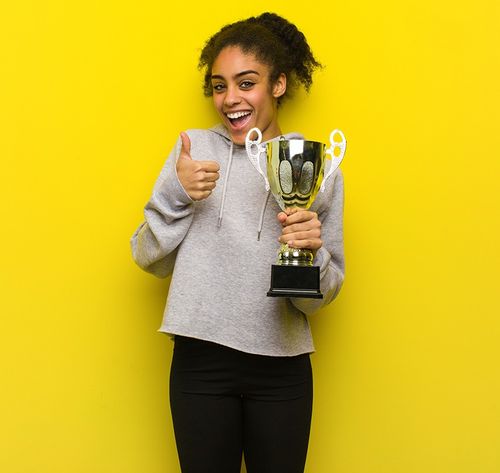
(186, 146)
(282, 216)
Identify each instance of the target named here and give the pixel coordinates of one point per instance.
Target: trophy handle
(254, 149)
(336, 160)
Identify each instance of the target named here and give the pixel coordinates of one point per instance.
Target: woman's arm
(322, 233)
(168, 216)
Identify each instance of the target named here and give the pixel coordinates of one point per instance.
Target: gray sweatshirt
(220, 267)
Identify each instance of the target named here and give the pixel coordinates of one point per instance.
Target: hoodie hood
(221, 130)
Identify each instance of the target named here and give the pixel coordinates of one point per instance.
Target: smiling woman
(241, 377)
(266, 52)
(243, 94)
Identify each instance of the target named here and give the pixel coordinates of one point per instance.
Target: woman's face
(243, 95)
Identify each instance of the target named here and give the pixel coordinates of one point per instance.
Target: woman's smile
(238, 120)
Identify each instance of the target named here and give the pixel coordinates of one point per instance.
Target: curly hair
(273, 40)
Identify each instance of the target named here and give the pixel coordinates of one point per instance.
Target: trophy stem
(295, 256)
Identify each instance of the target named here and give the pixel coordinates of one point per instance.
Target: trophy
(295, 175)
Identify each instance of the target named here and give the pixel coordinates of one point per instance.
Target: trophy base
(295, 281)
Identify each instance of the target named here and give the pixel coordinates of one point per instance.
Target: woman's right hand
(198, 178)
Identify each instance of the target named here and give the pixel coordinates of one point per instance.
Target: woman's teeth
(233, 116)
(238, 119)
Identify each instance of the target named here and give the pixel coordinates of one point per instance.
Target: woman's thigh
(277, 418)
(207, 417)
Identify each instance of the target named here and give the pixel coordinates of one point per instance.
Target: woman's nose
(232, 97)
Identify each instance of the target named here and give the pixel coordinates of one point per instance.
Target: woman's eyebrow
(242, 73)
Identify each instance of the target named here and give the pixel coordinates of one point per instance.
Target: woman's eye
(246, 84)
(217, 87)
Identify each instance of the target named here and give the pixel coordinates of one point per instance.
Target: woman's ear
(279, 87)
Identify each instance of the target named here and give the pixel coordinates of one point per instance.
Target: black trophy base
(295, 281)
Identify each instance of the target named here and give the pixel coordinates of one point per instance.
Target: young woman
(241, 376)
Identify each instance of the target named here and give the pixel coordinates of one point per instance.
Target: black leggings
(225, 402)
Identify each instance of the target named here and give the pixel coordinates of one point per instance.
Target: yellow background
(92, 97)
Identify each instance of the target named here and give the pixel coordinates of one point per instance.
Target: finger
(206, 186)
(209, 166)
(211, 176)
(301, 216)
(310, 244)
(301, 226)
(304, 235)
(291, 210)
(200, 177)
(282, 217)
(186, 145)
(201, 194)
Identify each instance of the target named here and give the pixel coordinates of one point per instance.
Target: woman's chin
(238, 140)
(238, 137)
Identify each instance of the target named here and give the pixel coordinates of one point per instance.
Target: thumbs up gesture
(198, 178)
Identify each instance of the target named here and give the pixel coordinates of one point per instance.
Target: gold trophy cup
(295, 175)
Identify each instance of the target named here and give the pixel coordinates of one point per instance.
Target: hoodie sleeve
(168, 216)
(330, 257)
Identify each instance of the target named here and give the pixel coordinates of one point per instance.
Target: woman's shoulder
(208, 144)
(332, 191)
(216, 132)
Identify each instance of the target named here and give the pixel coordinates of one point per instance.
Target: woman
(241, 376)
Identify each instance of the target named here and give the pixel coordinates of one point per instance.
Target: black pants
(225, 402)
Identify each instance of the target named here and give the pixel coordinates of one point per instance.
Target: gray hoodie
(219, 252)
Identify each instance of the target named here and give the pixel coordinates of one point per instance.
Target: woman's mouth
(238, 120)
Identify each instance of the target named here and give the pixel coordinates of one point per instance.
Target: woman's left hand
(301, 229)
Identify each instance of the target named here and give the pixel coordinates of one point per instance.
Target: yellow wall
(92, 97)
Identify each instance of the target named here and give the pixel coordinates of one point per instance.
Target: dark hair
(273, 40)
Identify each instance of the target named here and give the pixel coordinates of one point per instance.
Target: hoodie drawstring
(226, 178)
(223, 200)
(262, 212)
